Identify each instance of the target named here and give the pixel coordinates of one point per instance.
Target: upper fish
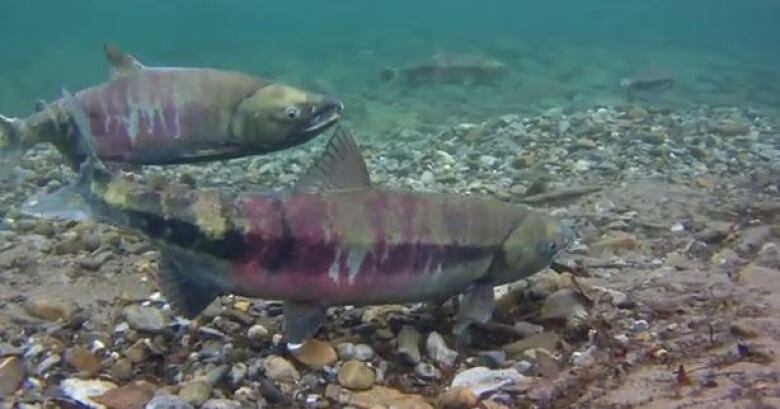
(167, 115)
(334, 239)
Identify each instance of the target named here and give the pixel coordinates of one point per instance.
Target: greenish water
(560, 53)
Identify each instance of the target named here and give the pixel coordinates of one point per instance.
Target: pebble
(82, 390)
(564, 305)
(237, 374)
(426, 371)
(768, 256)
(526, 329)
(167, 402)
(49, 362)
(524, 367)
(279, 369)
(84, 361)
(258, 334)
(130, 396)
(481, 380)
(743, 329)
(409, 345)
(640, 326)
(428, 177)
(346, 350)
(316, 354)
(364, 352)
(492, 359)
(46, 308)
(143, 318)
(221, 404)
(546, 340)
(122, 370)
(375, 398)
(438, 351)
(12, 374)
(195, 391)
(457, 398)
(356, 375)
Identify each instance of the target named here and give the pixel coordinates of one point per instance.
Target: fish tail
(73, 202)
(11, 147)
(387, 74)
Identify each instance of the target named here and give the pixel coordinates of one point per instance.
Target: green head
(278, 116)
(532, 246)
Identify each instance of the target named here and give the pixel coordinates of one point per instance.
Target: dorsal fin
(122, 63)
(340, 167)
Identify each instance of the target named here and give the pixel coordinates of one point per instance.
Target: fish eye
(292, 112)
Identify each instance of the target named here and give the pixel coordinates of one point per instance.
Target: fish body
(647, 84)
(333, 240)
(166, 115)
(448, 68)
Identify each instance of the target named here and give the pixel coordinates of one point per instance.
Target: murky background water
(559, 53)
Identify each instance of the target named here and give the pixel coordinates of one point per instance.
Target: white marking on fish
(333, 271)
(354, 261)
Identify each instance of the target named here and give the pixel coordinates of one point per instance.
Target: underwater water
(599, 180)
(559, 53)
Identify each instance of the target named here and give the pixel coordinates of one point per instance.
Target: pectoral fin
(476, 306)
(302, 320)
(185, 283)
(62, 204)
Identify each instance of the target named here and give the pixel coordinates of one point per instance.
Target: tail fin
(71, 202)
(11, 149)
(387, 74)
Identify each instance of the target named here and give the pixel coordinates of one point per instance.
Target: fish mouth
(328, 114)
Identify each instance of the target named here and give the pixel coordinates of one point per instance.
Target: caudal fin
(11, 149)
(71, 202)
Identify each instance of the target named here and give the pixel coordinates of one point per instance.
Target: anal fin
(62, 204)
(302, 320)
(185, 283)
(476, 306)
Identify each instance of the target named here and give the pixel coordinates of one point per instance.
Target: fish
(447, 68)
(648, 83)
(149, 115)
(332, 239)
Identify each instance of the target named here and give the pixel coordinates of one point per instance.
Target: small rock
(83, 391)
(122, 370)
(46, 308)
(167, 402)
(258, 334)
(546, 340)
(524, 367)
(585, 358)
(346, 350)
(137, 353)
(49, 362)
(481, 380)
(12, 374)
(221, 404)
(84, 361)
(526, 329)
(279, 369)
(195, 392)
(743, 329)
(768, 256)
(130, 396)
(564, 305)
(640, 326)
(457, 398)
(355, 375)
(427, 177)
(438, 351)
(237, 374)
(728, 127)
(616, 242)
(142, 318)
(408, 345)
(364, 352)
(426, 371)
(315, 354)
(374, 398)
(492, 359)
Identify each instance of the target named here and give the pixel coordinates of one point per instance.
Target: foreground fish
(448, 68)
(165, 115)
(333, 240)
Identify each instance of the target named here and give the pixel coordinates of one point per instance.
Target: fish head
(278, 116)
(533, 245)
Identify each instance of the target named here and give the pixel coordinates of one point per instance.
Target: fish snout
(324, 114)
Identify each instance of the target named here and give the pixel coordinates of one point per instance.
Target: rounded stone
(356, 375)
